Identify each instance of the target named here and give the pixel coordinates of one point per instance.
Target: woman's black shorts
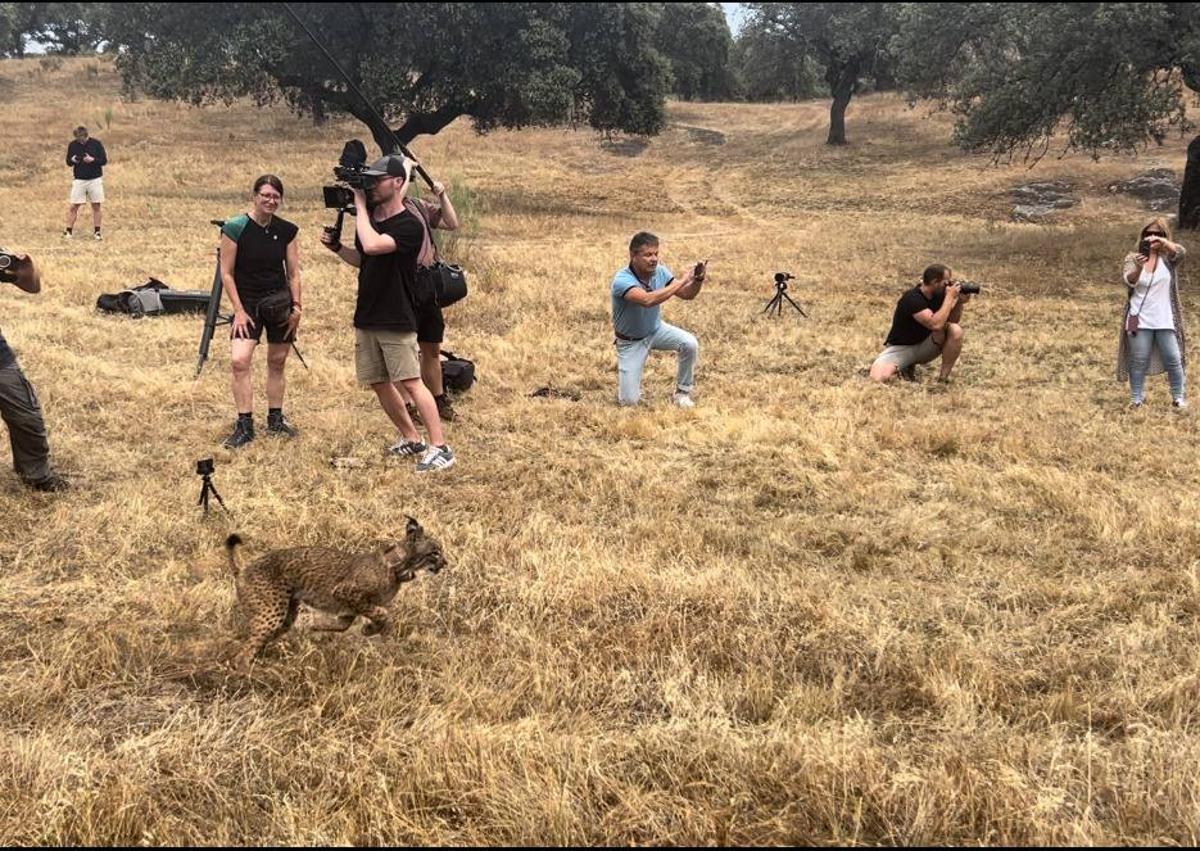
(275, 333)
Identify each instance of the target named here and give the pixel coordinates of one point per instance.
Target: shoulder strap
(428, 255)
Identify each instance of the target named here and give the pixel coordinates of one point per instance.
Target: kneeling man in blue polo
(638, 292)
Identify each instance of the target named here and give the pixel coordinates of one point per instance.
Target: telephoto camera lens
(969, 287)
(6, 260)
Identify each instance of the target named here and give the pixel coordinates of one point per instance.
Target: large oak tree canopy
(1107, 74)
(421, 64)
(1114, 76)
(848, 40)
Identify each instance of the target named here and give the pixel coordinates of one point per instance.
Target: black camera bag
(442, 283)
(458, 374)
(451, 283)
(275, 309)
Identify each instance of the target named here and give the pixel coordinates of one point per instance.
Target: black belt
(621, 336)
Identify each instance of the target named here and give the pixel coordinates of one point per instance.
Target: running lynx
(345, 585)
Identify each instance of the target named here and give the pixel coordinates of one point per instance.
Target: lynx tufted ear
(413, 528)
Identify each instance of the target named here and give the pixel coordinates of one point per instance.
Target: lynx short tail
(231, 544)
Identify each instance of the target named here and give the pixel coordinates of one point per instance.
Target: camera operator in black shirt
(924, 327)
(388, 237)
(18, 402)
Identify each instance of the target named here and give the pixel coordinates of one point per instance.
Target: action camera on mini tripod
(205, 468)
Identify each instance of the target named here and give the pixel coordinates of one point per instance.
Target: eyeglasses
(266, 197)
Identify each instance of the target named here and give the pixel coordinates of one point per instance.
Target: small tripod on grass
(776, 302)
(205, 468)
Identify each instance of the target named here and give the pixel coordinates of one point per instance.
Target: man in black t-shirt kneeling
(924, 326)
(388, 238)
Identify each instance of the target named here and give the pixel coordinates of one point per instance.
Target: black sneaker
(407, 448)
(280, 427)
(51, 484)
(445, 409)
(243, 433)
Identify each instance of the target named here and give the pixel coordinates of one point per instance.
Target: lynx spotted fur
(345, 585)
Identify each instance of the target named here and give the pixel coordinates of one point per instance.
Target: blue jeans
(631, 359)
(1140, 346)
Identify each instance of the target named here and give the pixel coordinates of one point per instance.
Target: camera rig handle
(398, 145)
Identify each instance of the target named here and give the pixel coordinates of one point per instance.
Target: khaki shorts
(381, 356)
(83, 191)
(903, 357)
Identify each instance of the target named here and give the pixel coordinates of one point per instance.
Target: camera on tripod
(776, 303)
(204, 469)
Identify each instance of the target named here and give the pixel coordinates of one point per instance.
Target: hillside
(812, 610)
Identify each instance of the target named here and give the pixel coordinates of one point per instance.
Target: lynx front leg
(336, 623)
(377, 620)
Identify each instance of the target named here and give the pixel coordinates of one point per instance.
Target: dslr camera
(349, 170)
(969, 287)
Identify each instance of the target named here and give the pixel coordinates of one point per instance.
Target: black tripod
(215, 317)
(776, 302)
(205, 469)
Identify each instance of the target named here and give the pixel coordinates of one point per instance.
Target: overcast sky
(733, 14)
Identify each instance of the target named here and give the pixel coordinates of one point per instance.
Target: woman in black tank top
(260, 268)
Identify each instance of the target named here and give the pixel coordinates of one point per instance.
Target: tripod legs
(776, 303)
(209, 487)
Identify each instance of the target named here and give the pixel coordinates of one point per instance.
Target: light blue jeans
(631, 359)
(1140, 347)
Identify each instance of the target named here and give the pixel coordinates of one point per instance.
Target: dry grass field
(812, 610)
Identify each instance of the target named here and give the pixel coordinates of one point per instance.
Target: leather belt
(621, 336)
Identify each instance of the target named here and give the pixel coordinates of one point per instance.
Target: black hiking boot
(243, 433)
(51, 484)
(278, 426)
(445, 409)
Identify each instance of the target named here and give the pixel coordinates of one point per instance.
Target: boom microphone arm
(374, 112)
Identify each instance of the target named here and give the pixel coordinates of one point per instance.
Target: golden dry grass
(812, 610)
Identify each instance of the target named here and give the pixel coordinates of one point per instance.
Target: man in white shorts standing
(87, 157)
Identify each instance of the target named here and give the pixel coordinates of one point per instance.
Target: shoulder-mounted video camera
(349, 170)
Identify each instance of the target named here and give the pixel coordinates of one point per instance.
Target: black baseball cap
(390, 166)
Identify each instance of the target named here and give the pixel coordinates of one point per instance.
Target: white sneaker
(683, 400)
(96, 235)
(436, 459)
(1180, 403)
(66, 234)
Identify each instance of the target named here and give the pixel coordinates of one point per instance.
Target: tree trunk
(1189, 194)
(843, 90)
(319, 115)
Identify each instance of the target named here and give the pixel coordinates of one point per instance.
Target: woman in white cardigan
(1152, 337)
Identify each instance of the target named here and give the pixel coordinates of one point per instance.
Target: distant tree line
(1099, 77)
